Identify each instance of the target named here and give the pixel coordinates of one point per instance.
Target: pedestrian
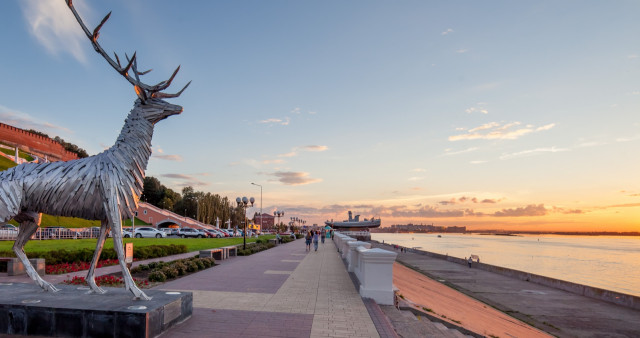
(332, 234)
(470, 261)
(308, 241)
(316, 238)
(323, 234)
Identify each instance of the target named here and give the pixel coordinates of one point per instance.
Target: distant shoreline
(514, 233)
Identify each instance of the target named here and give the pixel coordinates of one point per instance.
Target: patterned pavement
(281, 292)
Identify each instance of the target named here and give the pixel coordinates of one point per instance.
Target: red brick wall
(36, 144)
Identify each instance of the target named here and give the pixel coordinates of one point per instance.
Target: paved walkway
(558, 312)
(281, 292)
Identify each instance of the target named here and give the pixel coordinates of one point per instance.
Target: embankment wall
(618, 298)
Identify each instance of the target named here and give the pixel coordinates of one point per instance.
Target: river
(607, 262)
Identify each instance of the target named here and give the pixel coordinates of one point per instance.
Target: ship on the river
(354, 223)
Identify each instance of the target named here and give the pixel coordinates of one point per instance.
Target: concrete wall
(618, 298)
(36, 144)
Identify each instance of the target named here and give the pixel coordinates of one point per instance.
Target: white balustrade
(352, 254)
(375, 273)
(344, 249)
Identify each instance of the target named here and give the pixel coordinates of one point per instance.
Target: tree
(153, 191)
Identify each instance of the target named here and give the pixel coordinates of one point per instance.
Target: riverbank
(554, 311)
(445, 303)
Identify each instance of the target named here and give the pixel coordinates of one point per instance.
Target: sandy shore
(457, 307)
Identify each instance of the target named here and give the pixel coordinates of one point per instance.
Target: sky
(513, 115)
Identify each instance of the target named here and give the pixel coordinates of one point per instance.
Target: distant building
(265, 221)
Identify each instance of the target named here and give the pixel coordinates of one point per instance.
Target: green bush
(181, 267)
(208, 262)
(85, 255)
(199, 264)
(192, 266)
(170, 271)
(157, 276)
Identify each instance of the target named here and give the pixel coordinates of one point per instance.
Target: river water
(607, 262)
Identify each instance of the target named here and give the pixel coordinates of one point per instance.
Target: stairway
(408, 325)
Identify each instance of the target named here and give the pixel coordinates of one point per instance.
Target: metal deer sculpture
(103, 187)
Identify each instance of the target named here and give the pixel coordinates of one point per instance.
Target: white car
(146, 232)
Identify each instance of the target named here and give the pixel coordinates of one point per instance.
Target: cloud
(477, 109)
(497, 131)
(464, 199)
(477, 162)
(289, 154)
(427, 211)
(567, 211)
(632, 56)
(186, 180)
(176, 158)
(22, 120)
(462, 51)
(416, 178)
(55, 27)
(310, 148)
(546, 127)
(296, 110)
(448, 31)
(628, 139)
(314, 148)
(485, 126)
(532, 152)
(272, 121)
(468, 150)
(294, 178)
(276, 161)
(529, 210)
(418, 170)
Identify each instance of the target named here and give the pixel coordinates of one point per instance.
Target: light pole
(242, 202)
(260, 205)
(278, 214)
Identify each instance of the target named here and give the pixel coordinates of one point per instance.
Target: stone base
(25, 309)
(16, 268)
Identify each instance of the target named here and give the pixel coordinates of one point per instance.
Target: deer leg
(113, 214)
(104, 230)
(28, 226)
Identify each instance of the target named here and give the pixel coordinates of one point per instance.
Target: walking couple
(312, 236)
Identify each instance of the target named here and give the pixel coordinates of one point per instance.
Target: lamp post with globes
(242, 202)
(260, 204)
(278, 214)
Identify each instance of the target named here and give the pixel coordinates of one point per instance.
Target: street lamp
(242, 202)
(260, 204)
(279, 214)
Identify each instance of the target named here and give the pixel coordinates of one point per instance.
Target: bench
(218, 254)
(231, 250)
(15, 266)
(274, 241)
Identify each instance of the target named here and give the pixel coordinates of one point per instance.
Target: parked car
(59, 232)
(213, 233)
(168, 231)
(189, 232)
(8, 231)
(146, 232)
(92, 232)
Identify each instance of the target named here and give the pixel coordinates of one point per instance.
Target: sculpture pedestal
(25, 309)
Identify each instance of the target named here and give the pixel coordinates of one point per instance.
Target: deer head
(150, 103)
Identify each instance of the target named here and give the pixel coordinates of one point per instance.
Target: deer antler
(150, 91)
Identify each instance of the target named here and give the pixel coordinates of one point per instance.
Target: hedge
(85, 255)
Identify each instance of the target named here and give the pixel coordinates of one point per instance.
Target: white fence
(372, 267)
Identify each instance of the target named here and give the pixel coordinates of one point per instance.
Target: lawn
(193, 244)
(6, 163)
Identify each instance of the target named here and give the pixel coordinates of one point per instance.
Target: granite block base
(25, 309)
